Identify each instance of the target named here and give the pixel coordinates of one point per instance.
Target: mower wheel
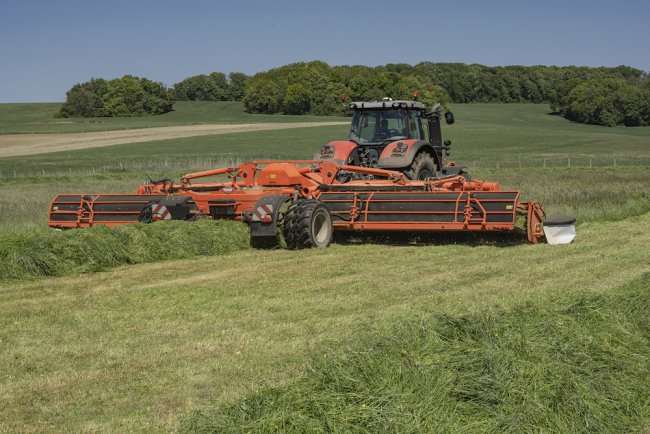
(307, 224)
(423, 167)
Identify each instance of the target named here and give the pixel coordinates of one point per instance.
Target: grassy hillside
(28, 118)
(513, 135)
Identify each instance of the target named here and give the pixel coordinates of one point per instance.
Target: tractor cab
(396, 135)
(375, 127)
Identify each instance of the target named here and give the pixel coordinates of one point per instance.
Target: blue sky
(48, 46)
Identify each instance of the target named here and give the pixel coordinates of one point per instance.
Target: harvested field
(29, 144)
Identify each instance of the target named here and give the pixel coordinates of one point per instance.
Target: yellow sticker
(55, 208)
(508, 206)
(273, 176)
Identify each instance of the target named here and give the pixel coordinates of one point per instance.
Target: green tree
(411, 87)
(331, 101)
(296, 100)
(644, 97)
(608, 102)
(237, 85)
(126, 96)
(211, 87)
(85, 99)
(263, 96)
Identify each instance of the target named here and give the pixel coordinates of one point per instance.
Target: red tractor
(395, 135)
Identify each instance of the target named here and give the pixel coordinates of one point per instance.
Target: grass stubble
(134, 348)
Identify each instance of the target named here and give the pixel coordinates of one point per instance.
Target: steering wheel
(393, 132)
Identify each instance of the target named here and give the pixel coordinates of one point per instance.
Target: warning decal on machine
(263, 213)
(160, 212)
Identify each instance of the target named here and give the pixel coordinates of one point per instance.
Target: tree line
(606, 96)
(605, 101)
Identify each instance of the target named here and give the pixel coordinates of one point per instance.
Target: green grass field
(277, 341)
(485, 135)
(28, 118)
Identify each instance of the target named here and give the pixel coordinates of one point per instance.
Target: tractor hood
(337, 152)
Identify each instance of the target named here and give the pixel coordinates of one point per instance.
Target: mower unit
(306, 200)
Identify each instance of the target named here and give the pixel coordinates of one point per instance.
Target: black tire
(423, 167)
(307, 224)
(146, 215)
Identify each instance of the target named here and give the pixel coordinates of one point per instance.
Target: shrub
(126, 96)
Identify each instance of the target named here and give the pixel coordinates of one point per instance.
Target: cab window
(415, 125)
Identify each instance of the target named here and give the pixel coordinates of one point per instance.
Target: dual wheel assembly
(305, 224)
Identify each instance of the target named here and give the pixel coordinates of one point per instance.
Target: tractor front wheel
(307, 224)
(423, 167)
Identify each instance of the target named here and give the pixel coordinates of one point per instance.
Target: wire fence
(185, 165)
(559, 162)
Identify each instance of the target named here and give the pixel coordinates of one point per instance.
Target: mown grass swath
(57, 253)
(135, 348)
(568, 364)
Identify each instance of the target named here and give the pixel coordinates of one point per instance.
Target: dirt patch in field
(29, 144)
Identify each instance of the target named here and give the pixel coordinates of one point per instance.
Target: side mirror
(446, 145)
(449, 118)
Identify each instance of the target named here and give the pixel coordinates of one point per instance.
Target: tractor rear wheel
(423, 167)
(307, 224)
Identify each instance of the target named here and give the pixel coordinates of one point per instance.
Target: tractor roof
(388, 105)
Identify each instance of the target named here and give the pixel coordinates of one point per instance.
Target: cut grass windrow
(571, 363)
(59, 253)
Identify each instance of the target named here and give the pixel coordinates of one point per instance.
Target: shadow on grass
(422, 239)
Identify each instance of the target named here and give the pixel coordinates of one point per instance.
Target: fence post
(569, 163)
(544, 163)
(497, 164)
(590, 163)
